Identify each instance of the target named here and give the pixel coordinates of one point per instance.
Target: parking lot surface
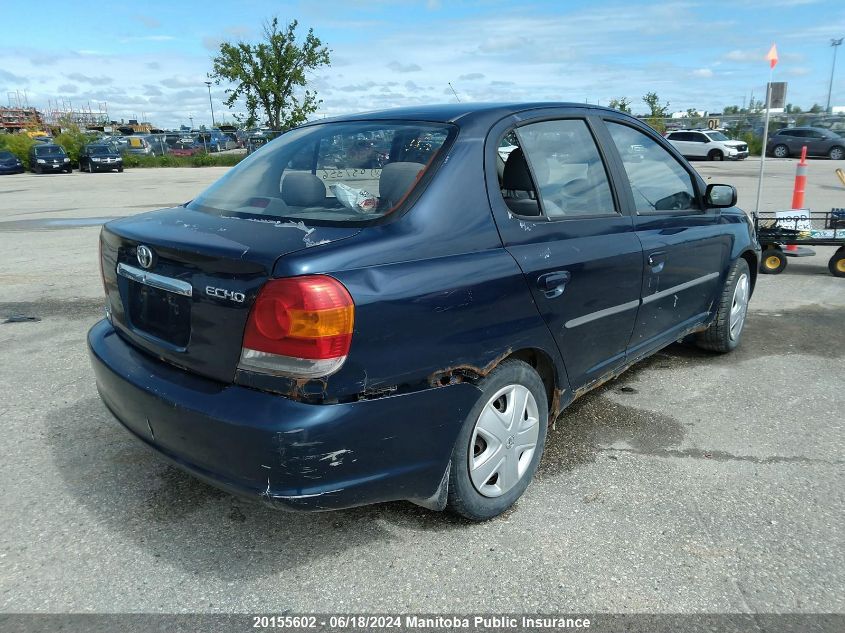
(693, 483)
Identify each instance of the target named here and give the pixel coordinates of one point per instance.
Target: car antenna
(457, 98)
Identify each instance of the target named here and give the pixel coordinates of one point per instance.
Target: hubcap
(840, 266)
(739, 307)
(772, 262)
(503, 441)
(780, 152)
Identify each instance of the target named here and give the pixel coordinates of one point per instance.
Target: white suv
(708, 144)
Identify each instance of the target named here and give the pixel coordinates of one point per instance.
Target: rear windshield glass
(339, 172)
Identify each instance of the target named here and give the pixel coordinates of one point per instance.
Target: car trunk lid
(180, 283)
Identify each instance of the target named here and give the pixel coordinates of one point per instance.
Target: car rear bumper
(269, 447)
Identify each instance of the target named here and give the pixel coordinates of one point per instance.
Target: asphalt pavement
(694, 483)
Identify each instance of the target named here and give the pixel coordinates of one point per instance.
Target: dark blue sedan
(323, 328)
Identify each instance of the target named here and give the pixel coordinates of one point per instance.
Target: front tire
(715, 155)
(772, 262)
(836, 265)
(836, 153)
(723, 333)
(500, 444)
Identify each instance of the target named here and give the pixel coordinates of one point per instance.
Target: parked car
(100, 157)
(233, 141)
(187, 147)
(709, 144)
(46, 157)
(10, 164)
(138, 146)
(212, 140)
(819, 141)
(330, 337)
(158, 144)
(259, 138)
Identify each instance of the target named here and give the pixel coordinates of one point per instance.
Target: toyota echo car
(321, 329)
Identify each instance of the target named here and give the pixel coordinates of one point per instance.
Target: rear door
(566, 229)
(680, 141)
(699, 145)
(685, 248)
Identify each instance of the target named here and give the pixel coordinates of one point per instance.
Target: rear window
(333, 172)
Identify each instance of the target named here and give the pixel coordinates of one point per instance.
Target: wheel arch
(753, 266)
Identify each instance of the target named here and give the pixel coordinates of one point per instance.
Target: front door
(685, 249)
(560, 219)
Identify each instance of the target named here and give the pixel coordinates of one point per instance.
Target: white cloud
(702, 72)
(87, 79)
(404, 68)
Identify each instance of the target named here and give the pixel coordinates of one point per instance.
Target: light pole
(213, 124)
(835, 43)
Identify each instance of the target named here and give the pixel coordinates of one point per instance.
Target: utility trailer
(802, 229)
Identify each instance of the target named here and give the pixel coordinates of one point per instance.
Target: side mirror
(720, 196)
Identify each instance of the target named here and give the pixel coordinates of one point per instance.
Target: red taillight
(300, 326)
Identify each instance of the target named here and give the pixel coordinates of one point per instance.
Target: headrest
(396, 180)
(516, 176)
(303, 190)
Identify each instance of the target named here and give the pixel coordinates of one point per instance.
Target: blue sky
(150, 59)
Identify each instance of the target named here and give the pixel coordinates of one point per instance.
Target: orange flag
(773, 56)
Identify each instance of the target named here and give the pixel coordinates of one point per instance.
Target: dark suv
(45, 158)
(318, 334)
(819, 141)
(100, 157)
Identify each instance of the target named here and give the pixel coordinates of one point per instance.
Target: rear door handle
(553, 284)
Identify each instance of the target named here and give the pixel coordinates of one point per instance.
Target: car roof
(455, 112)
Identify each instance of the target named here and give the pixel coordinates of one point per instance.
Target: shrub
(73, 140)
(19, 145)
(202, 160)
(168, 160)
(755, 143)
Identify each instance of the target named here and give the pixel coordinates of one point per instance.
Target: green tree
(731, 110)
(653, 102)
(622, 104)
(657, 112)
(816, 109)
(271, 76)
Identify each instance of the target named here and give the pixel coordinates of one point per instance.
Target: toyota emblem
(145, 256)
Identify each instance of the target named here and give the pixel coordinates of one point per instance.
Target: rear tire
(780, 151)
(724, 332)
(715, 154)
(772, 262)
(500, 444)
(836, 265)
